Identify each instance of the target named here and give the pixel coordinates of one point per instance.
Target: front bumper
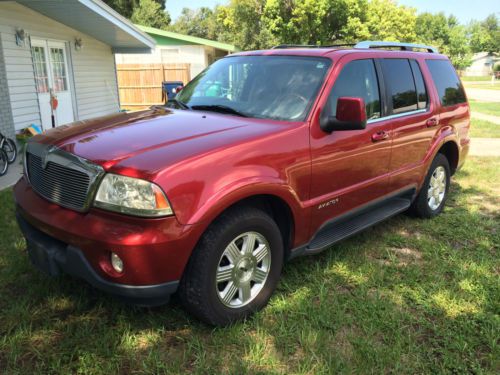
(154, 251)
(54, 257)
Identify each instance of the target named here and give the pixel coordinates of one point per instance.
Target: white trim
(116, 19)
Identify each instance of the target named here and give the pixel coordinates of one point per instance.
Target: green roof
(185, 39)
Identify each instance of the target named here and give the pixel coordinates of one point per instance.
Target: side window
(449, 87)
(420, 84)
(401, 86)
(357, 79)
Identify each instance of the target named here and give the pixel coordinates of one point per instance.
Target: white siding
(91, 69)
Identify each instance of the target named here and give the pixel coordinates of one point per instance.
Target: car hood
(148, 141)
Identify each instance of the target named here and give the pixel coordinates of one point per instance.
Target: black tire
(198, 290)
(10, 148)
(4, 162)
(421, 206)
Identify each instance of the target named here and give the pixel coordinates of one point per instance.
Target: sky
(464, 10)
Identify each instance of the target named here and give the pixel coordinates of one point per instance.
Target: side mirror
(351, 115)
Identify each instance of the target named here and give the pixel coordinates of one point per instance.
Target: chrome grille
(61, 177)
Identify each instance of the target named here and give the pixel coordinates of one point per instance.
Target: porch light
(78, 44)
(20, 37)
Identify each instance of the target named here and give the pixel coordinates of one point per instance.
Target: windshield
(272, 87)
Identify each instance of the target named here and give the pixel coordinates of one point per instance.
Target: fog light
(117, 263)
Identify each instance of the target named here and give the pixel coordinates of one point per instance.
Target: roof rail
(285, 46)
(402, 46)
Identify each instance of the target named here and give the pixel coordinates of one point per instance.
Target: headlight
(131, 196)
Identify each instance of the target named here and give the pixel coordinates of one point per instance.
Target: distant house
(63, 50)
(174, 48)
(482, 64)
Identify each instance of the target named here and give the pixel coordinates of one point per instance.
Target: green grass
(489, 108)
(407, 296)
(484, 129)
(485, 85)
(475, 79)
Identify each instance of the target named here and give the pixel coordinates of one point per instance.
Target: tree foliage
(447, 34)
(485, 36)
(150, 13)
(126, 7)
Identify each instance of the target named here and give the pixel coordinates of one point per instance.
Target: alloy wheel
(243, 269)
(437, 188)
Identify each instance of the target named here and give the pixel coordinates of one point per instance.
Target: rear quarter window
(448, 85)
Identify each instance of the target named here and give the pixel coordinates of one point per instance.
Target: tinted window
(419, 83)
(357, 79)
(449, 87)
(400, 84)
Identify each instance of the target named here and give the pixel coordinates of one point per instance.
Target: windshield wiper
(219, 108)
(179, 103)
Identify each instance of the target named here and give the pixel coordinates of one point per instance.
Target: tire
(213, 301)
(427, 204)
(10, 148)
(4, 163)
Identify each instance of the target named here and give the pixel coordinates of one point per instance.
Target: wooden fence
(139, 85)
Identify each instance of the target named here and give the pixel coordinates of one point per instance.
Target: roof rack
(285, 46)
(402, 46)
(366, 44)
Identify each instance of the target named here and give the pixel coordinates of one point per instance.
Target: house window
(58, 69)
(41, 76)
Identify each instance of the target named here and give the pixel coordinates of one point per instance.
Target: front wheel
(235, 267)
(434, 192)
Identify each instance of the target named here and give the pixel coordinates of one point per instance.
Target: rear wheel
(4, 162)
(235, 267)
(434, 192)
(10, 148)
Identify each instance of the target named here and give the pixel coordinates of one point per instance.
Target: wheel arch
(450, 150)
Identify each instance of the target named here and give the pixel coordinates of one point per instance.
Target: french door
(52, 82)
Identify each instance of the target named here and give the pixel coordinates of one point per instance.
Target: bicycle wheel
(10, 148)
(4, 162)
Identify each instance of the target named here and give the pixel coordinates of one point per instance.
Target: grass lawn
(489, 108)
(475, 79)
(485, 85)
(484, 129)
(407, 296)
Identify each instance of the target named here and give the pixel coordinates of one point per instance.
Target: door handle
(380, 136)
(431, 122)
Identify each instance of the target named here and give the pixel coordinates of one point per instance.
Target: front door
(52, 82)
(350, 168)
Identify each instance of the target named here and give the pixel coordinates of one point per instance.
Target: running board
(350, 224)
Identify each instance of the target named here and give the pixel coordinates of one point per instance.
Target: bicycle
(4, 162)
(9, 147)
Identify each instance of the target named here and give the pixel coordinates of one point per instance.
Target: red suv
(264, 156)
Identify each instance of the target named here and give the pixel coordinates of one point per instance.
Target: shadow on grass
(405, 296)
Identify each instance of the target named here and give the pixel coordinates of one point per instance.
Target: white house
(482, 64)
(175, 48)
(64, 52)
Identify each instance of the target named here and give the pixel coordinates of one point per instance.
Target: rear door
(349, 168)
(412, 118)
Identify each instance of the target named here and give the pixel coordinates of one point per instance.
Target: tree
(386, 20)
(126, 7)
(485, 36)
(150, 13)
(199, 22)
(447, 35)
